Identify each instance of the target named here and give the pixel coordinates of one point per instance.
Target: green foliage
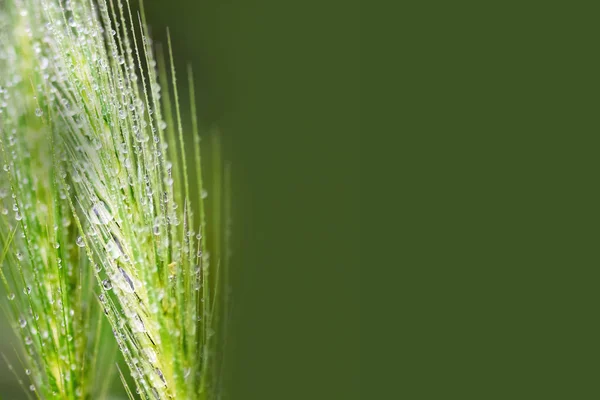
(103, 226)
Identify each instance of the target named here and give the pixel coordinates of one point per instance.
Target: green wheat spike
(98, 222)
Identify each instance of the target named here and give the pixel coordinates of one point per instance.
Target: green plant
(103, 204)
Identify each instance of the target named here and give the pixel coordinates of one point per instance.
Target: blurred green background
(281, 80)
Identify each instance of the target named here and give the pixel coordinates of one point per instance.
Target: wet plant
(106, 223)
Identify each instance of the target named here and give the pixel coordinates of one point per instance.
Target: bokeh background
(281, 81)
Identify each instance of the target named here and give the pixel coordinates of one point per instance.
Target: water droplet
(113, 250)
(80, 242)
(18, 216)
(160, 374)
(122, 114)
(28, 372)
(204, 194)
(128, 286)
(141, 137)
(38, 112)
(151, 355)
(19, 255)
(32, 388)
(162, 125)
(22, 322)
(28, 340)
(137, 325)
(99, 214)
(107, 285)
(11, 296)
(27, 290)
